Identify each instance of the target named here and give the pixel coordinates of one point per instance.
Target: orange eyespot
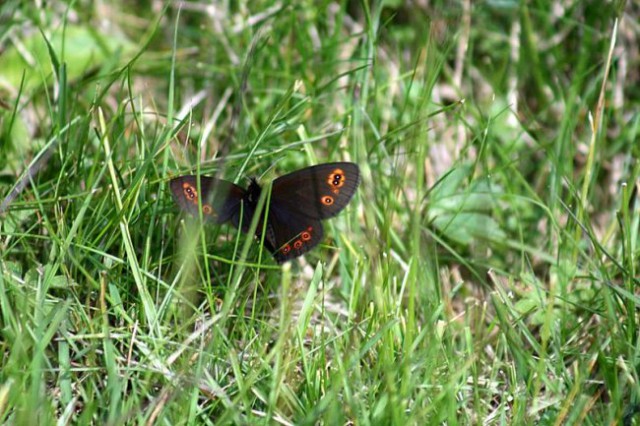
(327, 200)
(286, 249)
(207, 209)
(305, 236)
(189, 191)
(336, 178)
(297, 245)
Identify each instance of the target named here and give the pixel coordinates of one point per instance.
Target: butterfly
(296, 206)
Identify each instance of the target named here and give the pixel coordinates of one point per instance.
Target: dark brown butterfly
(297, 204)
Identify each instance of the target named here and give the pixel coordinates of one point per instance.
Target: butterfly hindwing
(289, 235)
(220, 199)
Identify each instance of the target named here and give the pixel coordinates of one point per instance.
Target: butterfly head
(253, 192)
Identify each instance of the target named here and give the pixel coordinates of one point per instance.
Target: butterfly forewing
(317, 192)
(221, 198)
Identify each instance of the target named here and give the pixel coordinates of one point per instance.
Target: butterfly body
(297, 204)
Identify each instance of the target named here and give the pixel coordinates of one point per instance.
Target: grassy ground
(485, 271)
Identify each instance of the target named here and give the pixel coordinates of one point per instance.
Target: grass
(485, 271)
